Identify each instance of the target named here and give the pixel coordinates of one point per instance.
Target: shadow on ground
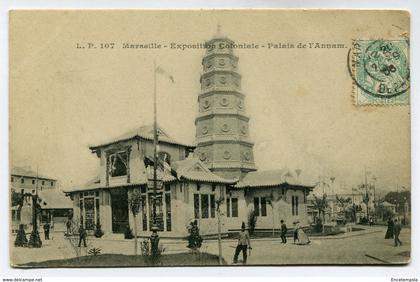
(118, 260)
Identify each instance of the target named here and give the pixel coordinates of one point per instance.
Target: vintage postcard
(209, 137)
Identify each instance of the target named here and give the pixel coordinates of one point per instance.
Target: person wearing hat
(283, 232)
(397, 231)
(244, 243)
(300, 236)
(47, 231)
(82, 236)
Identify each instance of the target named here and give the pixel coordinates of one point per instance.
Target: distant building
(274, 195)
(55, 207)
(25, 181)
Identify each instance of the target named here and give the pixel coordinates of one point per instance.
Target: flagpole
(35, 222)
(154, 238)
(154, 140)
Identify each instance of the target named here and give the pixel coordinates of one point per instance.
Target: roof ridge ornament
(219, 34)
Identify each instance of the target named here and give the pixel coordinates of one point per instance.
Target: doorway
(119, 207)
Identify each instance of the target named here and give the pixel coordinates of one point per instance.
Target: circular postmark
(380, 67)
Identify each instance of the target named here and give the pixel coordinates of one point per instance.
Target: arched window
(118, 163)
(164, 156)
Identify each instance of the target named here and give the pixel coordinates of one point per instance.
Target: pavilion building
(217, 174)
(190, 190)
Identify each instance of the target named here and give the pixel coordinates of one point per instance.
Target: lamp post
(374, 201)
(35, 239)
(366, 196)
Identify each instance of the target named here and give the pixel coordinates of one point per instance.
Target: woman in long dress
(390, 231)
(302, 238)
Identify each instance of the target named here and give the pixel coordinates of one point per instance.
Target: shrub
(128, 234)
(145, 248)
(363, 220)
(252, 222)
(98, 231)
(94, 251)
(194, 239)
(21, 240)
(318, 226)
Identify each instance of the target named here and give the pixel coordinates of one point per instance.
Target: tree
(399, 199)
(321, 205)
(252, 221)
(366, 202)
(134, 203)
(73, 237)
(343, 204)
(351, 212)
(17, 199)
(366, 197)
(384, 213)
(219, 229)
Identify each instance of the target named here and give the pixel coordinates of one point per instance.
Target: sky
(63, 99)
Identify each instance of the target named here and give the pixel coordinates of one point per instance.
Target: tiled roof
(190, 169)
(271, 178)
(95, 184)
(19, 171)
(193, 169)
(54, 199)
(145, 132)
(90, 185)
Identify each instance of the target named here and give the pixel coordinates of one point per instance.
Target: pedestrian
(283, 232)
(47, 231)
(302, 238)
(371, 221)
(295, 232)
(244, 243)
(82, 236)
(397, 230)
(390, 230)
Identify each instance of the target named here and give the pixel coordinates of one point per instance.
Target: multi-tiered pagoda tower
(222, 130)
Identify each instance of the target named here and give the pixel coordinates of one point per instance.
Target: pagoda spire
(222, 129)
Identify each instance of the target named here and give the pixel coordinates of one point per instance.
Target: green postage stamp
(380, 71)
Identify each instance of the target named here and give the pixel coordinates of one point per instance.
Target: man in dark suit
(47, 231)
(244, 243)
(397, 230)
(82, 236)
(283, 232)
